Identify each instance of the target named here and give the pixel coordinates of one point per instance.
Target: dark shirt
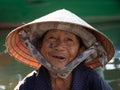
(83, 78)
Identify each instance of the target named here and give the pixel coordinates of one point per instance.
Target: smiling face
(59, 47)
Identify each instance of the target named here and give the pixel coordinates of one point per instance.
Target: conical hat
(60, 19)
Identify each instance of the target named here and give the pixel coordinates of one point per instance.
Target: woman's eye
(52, 38)
(69, 39)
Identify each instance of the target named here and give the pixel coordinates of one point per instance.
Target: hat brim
(19, 51)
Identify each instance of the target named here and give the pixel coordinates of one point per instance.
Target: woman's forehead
(56, 31)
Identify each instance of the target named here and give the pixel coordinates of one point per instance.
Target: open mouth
(59, 57)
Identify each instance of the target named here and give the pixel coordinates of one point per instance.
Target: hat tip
(63, 9)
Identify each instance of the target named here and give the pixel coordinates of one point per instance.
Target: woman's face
(59, 47)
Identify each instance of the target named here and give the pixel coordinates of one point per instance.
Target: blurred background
(101, 14)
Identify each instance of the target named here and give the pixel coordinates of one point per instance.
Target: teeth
(58, 57)
(61, 58)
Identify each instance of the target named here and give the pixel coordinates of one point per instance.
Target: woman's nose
(59, 45)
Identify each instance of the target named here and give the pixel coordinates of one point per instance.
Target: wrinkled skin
(59, 48)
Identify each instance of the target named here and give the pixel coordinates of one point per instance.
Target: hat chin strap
(95, 50)
(67, 69)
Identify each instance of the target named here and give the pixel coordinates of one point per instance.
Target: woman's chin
(59, 67)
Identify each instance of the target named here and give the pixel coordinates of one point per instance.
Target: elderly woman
(64, 49)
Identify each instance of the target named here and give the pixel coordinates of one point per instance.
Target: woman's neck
(61, 83)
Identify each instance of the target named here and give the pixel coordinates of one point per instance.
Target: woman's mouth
(58, 57)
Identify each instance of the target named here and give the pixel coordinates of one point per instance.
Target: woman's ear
(81, 50)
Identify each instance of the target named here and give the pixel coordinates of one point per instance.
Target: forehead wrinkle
(65, 32)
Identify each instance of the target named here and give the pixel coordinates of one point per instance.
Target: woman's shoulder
(86, 73)
(85, 70)
(29, 79)
(89, 77)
